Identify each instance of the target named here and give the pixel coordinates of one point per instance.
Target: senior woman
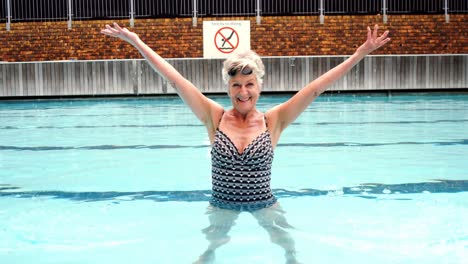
(243, 139)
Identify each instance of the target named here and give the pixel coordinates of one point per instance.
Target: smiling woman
(243, 138)
(243, 74)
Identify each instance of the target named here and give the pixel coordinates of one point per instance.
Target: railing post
(132, 14)
(70, 15)
(322, 9)
(447, 17)
(194, 19)
(384, 10)
(259, 18)
(8, 24)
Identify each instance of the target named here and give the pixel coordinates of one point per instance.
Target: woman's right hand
(121, 33)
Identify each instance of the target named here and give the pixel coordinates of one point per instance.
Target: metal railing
(49, 10)
(23, 10)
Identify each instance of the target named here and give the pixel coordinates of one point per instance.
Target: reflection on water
(367, 190)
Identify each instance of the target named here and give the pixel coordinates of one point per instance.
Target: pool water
(362, 178)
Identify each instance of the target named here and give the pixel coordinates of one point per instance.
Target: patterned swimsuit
(241, 181)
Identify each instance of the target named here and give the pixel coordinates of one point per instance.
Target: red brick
(275, 36)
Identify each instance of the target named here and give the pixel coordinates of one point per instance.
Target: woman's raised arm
(204, 108)
(287, 112)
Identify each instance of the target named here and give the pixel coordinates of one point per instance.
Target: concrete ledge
(283, 74)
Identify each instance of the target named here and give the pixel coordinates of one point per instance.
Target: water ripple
(367, 191)
(302, 145)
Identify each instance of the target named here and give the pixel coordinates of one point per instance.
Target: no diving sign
(226, 40)
(221, 38)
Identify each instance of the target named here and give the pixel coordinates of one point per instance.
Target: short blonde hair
(241, 60)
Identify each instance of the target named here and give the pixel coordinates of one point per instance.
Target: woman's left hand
(373, 41)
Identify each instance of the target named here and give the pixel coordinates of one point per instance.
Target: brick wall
(275, 36)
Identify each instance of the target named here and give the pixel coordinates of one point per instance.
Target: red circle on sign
(225, 44)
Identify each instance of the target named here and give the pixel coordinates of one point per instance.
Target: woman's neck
(244, 116)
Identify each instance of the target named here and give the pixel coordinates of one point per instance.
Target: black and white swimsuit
(241, 181)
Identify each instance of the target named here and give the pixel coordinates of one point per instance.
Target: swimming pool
(363, 179)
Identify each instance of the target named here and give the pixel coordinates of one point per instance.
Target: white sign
(221, 38)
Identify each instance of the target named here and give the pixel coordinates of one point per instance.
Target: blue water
(363, 179)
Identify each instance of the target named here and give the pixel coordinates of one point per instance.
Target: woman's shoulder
(272, 113)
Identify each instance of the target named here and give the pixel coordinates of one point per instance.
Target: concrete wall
(283, 74)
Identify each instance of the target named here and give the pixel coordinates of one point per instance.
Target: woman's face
(244, 92)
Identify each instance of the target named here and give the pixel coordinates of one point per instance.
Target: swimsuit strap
(219, 122)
